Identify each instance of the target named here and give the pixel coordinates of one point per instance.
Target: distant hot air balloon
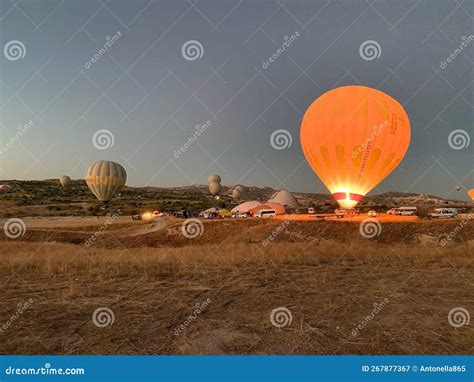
(215, 188)
(105, 179)
(213, 178)
(64, 180)
(237, 192)
(353, 137)
(214, 182)
(458, 187)
(470, 193)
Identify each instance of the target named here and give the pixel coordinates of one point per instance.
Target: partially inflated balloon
(470, 193)
(105, 178)
(237, 192)
(64, 180)
(353, 137)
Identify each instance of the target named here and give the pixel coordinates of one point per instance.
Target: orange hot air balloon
(470, 193)
(353, 137)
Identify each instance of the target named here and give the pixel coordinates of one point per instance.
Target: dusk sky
(150, 92)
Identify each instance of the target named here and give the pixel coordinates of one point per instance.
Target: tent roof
(256, 205)
(246, 206)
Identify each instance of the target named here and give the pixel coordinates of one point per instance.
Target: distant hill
(48, 197)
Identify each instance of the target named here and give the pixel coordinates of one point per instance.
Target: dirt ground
(237, 287)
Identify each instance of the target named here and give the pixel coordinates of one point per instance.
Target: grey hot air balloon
(213, 178)
(64, 180)
(237, 192)
(214, 182)
(105, 179)
(215, 188)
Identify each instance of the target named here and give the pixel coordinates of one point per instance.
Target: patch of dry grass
(328, 286)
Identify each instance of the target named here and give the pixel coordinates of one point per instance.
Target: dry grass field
(214, 294)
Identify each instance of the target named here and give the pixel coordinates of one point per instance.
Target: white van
(310, 210)
(392, 211)
(265, 214)
(406, 211)
(443, 213)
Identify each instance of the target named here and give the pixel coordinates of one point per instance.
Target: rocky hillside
(49, 198)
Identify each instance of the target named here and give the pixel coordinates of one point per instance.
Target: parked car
(211, 215)
(136, 217)
(406, 211)
(241, 215)
(345, 213)
(392, 211)
(372, 214)
(443, 213)
(182, 214)
(310, 210)
(341, 213)
(265, 214)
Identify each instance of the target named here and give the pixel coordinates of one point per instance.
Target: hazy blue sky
(151, 97)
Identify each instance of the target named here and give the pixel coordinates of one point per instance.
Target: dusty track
(167, 232)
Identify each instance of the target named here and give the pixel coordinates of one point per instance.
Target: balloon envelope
(213, 178)
(237, 192)
(353, 137)
(64, 180)
(285, 198)
(105, 179)
(246, 206)
(214, 188)
(470, 193)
